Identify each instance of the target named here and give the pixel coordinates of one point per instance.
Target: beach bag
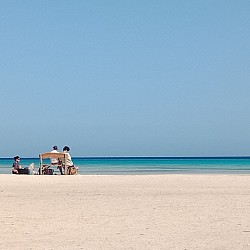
(23, 171)
(48, 171)
(72, 170)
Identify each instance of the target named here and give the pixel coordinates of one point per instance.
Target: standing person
(69, 163)
(17, 168)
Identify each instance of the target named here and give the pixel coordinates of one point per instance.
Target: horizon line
(140, 157)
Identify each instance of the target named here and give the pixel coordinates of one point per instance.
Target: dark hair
(16, 157)
(66, 148)
(55, 147)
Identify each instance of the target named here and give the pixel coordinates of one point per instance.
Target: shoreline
(175, 211)
(153, 172)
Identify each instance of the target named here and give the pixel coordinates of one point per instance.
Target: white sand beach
(125, 212)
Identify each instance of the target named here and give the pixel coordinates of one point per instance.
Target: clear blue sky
(125, 78)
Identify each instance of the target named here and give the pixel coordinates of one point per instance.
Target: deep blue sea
(147, 165)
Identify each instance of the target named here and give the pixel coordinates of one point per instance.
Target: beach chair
(47, 168)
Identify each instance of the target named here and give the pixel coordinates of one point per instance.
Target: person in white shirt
(54, 161)
(69, 163)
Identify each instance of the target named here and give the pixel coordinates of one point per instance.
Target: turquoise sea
(147, 165)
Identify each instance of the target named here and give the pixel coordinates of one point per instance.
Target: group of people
(55, 161)
(18, 169)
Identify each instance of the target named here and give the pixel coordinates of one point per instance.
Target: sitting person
(17, 168)
(69, 163)
(56, 161)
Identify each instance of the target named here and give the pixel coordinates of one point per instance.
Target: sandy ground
(125, 212)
